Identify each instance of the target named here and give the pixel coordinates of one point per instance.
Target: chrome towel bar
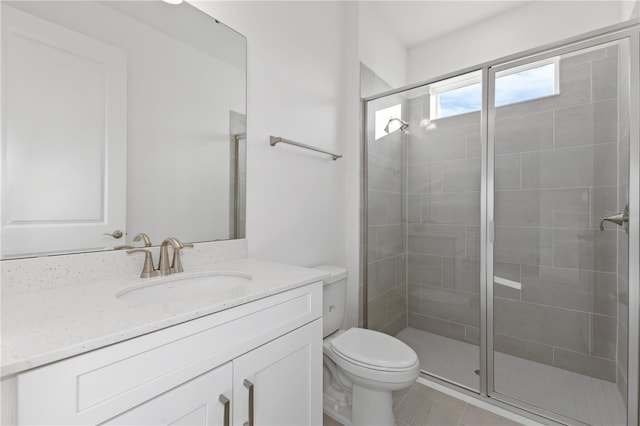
(276, 139)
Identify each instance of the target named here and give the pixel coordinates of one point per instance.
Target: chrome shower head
(402, 128)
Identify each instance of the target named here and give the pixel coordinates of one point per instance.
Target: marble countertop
(41, 327)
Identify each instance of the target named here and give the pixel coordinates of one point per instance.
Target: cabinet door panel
(287, 380)
(195, 402)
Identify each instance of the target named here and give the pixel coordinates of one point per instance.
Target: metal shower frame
(627, 30)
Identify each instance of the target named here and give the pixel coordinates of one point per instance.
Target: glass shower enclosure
(497, 243)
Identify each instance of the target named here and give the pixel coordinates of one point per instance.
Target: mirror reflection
(119, 118)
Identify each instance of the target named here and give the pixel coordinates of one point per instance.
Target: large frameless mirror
(119, 118)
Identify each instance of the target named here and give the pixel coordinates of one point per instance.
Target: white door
(200, 401)
(63, 138)
(285, 377)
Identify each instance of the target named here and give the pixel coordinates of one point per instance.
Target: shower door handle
(620, 219)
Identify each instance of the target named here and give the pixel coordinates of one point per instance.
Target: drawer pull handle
(224, 400)
(249, 386)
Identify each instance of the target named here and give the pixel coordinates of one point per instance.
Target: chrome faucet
(164, 268)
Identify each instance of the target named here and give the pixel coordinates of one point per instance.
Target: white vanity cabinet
(278, 374)
(265, 357)
(196, 402)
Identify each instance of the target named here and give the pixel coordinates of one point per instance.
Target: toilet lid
(374, 348)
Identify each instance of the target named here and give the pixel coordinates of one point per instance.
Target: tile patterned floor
(423, 406)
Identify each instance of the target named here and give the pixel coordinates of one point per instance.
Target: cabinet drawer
(96, 386)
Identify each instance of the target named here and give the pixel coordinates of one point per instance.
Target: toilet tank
(334, 296)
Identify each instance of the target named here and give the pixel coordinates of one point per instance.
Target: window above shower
(528, 82)
(460, 95)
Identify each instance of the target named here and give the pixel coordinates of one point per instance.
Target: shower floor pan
(584, 398)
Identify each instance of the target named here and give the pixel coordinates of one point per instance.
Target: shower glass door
(443, 227)
(559, 148)
(423, 150)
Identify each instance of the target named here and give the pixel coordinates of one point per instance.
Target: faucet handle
(620, 219)
(147, 269)
(143, 237)
(176, 263)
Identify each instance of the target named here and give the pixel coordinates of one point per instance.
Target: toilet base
(371, 407)
(338, 412)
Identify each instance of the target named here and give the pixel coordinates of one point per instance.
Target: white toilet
(361, 367)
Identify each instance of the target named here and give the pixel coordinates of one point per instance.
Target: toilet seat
(374, 350)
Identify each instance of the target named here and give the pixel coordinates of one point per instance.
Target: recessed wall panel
(55, 133)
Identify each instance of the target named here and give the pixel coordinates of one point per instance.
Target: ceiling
(415, 22)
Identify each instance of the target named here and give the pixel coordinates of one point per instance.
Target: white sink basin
(183, 285)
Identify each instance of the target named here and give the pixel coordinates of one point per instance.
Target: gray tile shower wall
(443, 255)
(556, 175)
(370, 84)
(386, 233)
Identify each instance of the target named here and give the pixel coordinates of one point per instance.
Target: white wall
(532, 25)
(352, 128)
(296, 89)
(629, 9)
(379, 48)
